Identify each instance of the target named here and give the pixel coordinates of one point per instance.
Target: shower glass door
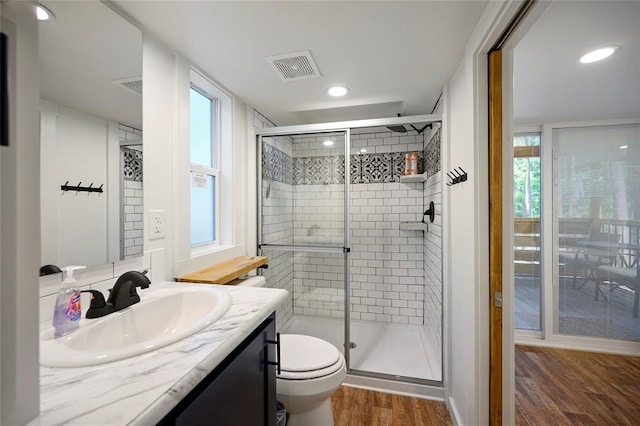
(302, 222)
(395, 283)
(343, 229)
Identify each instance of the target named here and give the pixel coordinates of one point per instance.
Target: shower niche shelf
(413, 178)
(413, 226)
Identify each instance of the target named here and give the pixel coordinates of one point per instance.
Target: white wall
(466, 225)
(158, 70)
(20, 225)
(69, 217)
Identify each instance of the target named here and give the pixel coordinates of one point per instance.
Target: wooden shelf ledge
(224, 272)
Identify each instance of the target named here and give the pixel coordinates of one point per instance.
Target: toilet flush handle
(277, 343)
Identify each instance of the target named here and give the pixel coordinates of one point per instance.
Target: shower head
(397, 129)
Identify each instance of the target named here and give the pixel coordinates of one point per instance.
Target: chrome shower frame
(341, 126)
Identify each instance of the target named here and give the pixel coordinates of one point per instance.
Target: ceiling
(552, 86)
(394, 56)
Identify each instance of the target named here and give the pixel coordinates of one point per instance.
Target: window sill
(202, 257)
(203, 250)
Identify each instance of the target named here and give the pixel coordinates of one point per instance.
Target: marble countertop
(141, 390)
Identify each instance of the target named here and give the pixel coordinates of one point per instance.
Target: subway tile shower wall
(277, 219)
(433, 242)
(390, 268)
(133, 222)
(387, 265)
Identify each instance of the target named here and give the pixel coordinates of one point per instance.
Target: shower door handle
(277, 343)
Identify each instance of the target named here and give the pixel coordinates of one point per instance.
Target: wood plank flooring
(359, 407)
(562, 387)
(553, 387)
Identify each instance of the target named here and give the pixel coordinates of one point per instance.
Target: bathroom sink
(163, 316)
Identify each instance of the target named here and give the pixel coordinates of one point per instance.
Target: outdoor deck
(579, 313)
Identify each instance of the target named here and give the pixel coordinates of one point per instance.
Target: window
(527, 230)
(204, 172)
(526, 175)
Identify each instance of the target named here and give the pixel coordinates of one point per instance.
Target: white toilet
(311, 371)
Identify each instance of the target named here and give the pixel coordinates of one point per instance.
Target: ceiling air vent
(133, 84)
(294, 66)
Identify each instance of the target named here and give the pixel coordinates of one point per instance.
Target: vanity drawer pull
(277, 343)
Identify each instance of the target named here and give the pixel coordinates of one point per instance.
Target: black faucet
(122, 295)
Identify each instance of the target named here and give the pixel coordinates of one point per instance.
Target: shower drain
(352, 345)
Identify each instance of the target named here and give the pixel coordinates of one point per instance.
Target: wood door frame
(500, 126)
(495, 237)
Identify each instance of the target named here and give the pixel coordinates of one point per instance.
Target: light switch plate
(156, 224)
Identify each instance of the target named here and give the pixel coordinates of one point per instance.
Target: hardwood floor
(562, 387)
(553, 387)
(359, 407)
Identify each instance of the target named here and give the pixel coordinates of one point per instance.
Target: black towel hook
(457, 176)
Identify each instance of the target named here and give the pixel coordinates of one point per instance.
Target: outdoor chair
(614, 277)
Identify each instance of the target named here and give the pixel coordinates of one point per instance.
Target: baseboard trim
(398, 388)
(453, 412)
(617, 347)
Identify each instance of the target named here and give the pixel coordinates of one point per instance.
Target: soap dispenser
(67, 313)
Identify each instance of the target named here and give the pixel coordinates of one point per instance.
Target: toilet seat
(307, 357)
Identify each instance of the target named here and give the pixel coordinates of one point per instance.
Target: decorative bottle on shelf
(411, 163)
(67, 312)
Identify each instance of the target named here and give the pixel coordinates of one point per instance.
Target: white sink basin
(163, 316)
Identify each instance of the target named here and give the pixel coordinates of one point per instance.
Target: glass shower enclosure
(355, 279)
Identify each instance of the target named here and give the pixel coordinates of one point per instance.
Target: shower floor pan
(393, 349)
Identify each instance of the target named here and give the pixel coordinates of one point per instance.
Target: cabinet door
(243, 393)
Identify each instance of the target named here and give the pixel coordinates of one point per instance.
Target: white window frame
(202, 85)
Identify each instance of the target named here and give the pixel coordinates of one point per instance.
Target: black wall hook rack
(80, 188)
(456, 176)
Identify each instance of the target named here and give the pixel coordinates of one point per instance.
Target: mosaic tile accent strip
(276, 165)
(365, 168)
(132, 168)
(432, 155)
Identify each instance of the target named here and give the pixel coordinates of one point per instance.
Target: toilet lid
(307, 356)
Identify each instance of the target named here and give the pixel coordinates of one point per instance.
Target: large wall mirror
(91, 138)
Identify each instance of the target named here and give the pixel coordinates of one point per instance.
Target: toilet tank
(256, 281)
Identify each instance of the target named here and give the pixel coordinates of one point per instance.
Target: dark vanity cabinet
(241, 391)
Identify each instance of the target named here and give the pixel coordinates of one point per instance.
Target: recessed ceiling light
(624, 147)
(337, 90)
(327, 143)
(43, 14)
(598, 55)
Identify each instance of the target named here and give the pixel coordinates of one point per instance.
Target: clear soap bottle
(68, 310)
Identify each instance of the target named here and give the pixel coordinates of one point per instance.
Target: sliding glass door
(597, 217)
